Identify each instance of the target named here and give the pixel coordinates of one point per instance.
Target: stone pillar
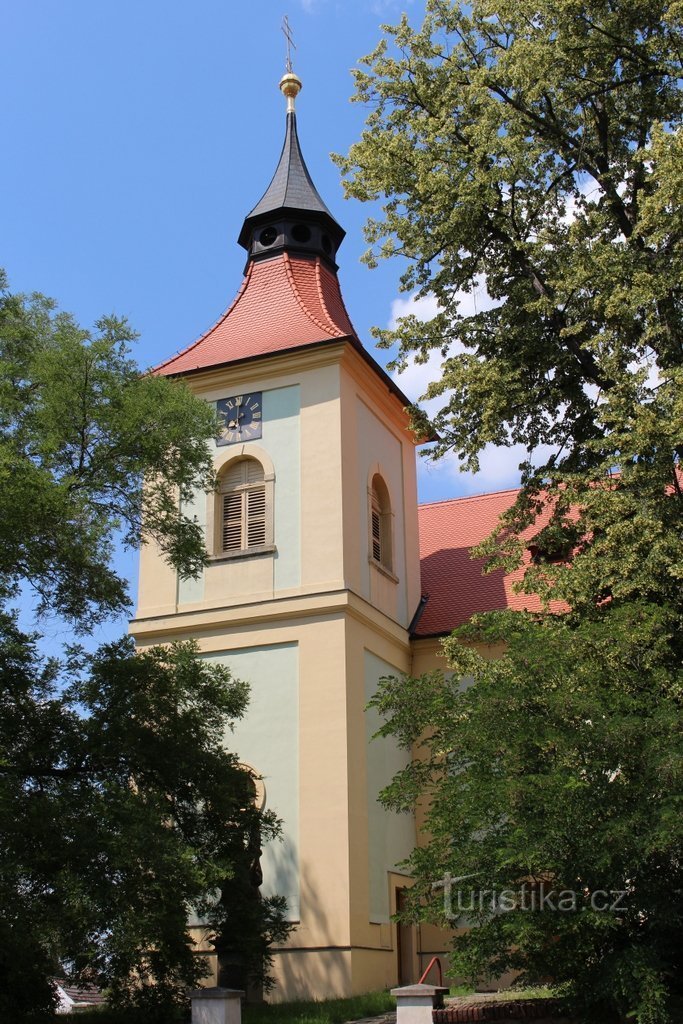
(414, 1003)
(216, 1005)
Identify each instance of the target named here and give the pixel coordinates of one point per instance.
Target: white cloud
(469, 303)
(654, 377)
(652, 380)
(382, 6)
(588, 189)
(648, 362)
(591, 391)
(423, 308)
(442, 479)
(414, 379)
(499, 471)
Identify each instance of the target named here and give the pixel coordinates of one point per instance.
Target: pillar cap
(419, 990)
(215, 992)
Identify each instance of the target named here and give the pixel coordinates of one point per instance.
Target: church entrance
(405, 944)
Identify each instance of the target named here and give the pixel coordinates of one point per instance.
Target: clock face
(242, 417)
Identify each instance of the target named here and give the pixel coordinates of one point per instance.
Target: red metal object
(434, 960)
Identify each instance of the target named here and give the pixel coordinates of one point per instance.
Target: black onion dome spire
(291, 187)
(291, 215)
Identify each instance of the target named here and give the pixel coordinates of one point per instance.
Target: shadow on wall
(281, 878)
(458, 589)
(326, 974)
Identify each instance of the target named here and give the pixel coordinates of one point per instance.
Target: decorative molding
(383, 569)
(266, 610)
(224, 456)
(233, 556)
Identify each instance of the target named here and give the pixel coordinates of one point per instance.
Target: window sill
(232, 556)
(382, 569)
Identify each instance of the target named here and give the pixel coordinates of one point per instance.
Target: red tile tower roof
(290, 297)
(285, 302)
(453, 581)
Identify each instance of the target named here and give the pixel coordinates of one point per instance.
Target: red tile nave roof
(451, 579)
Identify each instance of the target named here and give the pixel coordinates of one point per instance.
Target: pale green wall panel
(267, 738)
(391, 836)
(281, 440)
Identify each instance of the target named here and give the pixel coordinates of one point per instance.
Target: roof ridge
(299, 297)
(468, 497)
(188, 348)
(321, 295)
(289, 130)
(348, 316)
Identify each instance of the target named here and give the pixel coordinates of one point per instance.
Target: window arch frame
(380, 525)
(216, 515)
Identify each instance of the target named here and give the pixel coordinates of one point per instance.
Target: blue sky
(139, 133)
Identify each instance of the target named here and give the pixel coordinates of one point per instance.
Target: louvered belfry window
(376, 514)
(380, 523)
(244, 507)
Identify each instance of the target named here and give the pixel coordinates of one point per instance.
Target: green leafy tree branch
(535, 150)
(122, 811)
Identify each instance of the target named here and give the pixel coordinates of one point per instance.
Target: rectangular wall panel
(267, 739)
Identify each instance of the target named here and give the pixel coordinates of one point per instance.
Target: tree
(553, 789)
(536, 148)
(120, 809)
(122, 813)
(90, 449)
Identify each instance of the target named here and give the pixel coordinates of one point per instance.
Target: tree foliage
(536, 149)
(121, 810)
(557, 772)
(90, 450)
(122, 813)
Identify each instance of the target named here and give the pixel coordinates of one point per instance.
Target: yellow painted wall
(335, 943)
(323, 818)
(376, 439)
(427, 656)
(342, 614)
(317, 377)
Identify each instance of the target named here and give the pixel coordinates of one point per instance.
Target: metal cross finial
(287, 31)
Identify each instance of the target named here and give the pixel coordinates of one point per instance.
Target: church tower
(312, 582)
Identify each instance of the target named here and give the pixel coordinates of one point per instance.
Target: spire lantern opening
(291, 216)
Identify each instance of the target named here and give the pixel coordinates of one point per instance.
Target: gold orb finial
(290, 86)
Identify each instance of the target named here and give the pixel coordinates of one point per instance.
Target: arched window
(244, 519)
(380, 524)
